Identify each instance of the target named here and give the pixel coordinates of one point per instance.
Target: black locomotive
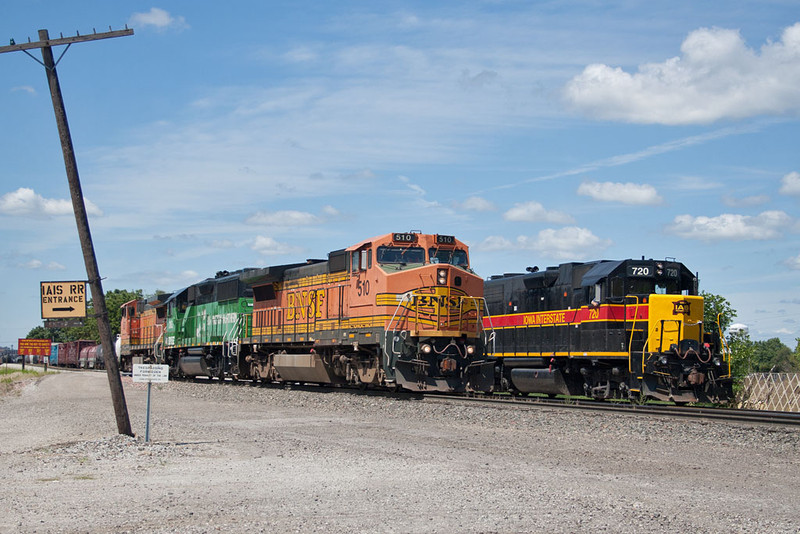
(606, 329)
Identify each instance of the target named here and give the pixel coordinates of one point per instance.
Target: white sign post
(149, 373)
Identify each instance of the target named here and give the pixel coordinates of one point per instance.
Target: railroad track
(690, 412)
(663, 410)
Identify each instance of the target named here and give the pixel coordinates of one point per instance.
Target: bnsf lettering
(433, 300)
(303, 305)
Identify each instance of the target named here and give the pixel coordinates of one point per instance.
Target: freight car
(401, 310)
(53, 361)
(69, 352)
(91, 357)
(606, 329)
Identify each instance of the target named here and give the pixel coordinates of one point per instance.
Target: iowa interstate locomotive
(401, 310)
(606, 329)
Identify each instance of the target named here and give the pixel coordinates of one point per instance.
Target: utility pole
(89, 258)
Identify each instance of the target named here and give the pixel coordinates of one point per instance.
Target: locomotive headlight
(441, 276)
(425, 348)
(470, 349)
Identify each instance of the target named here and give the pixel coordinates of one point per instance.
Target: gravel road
(245, 459)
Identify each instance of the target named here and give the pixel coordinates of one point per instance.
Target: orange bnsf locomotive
(606, 329)
(401, 310)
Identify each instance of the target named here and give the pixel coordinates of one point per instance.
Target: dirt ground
(245, 459)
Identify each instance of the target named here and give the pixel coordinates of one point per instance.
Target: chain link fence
(771, 391)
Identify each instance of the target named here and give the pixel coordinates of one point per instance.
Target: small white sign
(150, 373)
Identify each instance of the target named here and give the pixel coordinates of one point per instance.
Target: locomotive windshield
(647, 286)
(455, 257)
(400, 255)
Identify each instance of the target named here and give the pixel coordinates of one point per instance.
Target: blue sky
(538, 132)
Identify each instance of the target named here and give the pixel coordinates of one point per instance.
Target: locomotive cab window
(638, 286)
(617, 286)
(669, 287)
(596, 294)
(399, 257)
(455, 257)
(361, 260)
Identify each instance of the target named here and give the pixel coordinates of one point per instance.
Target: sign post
(79, 207)
(34, 347)
(150, 373)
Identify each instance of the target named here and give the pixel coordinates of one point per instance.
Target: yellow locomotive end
(675, 323)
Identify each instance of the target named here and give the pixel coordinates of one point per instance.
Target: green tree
(716, 306)
(56, 335)
(742, 354)
(796, 353)
(772, 356)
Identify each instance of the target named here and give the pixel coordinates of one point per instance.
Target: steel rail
(691, 412)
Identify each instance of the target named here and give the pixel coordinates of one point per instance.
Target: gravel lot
(236, 459)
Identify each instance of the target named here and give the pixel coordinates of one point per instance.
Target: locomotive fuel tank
(540, 380)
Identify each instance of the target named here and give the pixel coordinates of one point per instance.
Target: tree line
(748, 356)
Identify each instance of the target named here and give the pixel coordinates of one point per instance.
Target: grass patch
(9, 371)
(12, 380)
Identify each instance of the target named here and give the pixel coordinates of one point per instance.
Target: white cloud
(25, 88)
(38, 264)
(570, 243)
(695, 183)
(330, 211)
(220, 243)
(283, 218)
(476, 204)
(744, 202)
(26, 202)
(302, 54)
(790, 184)
(716, 77)
(794, 264)
(165, 280)
(419, 195)
(766, 225)
(159, 19)
(627, 193)
(494, 243)
(532, 211)
(269, 246)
